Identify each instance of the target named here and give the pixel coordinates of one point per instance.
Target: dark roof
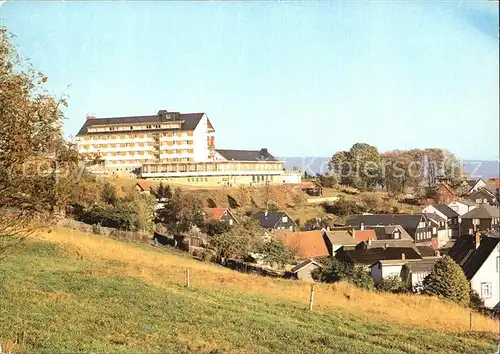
(373, 255)
(464, 252)
(446, 210)
(271, 219)
(189, 121)
(305, 263)
(385, 232)
(472, 182)
(426, 251)
(246, 155)
(482, 192)
(425, 265)
(409, 222)
(483, 211)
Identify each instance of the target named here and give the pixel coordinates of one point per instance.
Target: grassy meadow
(67, 291)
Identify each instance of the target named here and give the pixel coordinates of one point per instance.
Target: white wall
(480, 184)
(417, 278)
(488, 274)
(379, 271)
(200, 145)
(460, 208)
(443, 236)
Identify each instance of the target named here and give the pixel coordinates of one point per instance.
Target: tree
(328, 181)
(392, 284)
(275, 252)
(108, 193)
(163, 192)
(181, 213)
(447, 280)
(215, 227)
(335, 270)
(239, 241)
(30, 127)
(360, 167)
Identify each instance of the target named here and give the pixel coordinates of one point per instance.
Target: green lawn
(50, 302)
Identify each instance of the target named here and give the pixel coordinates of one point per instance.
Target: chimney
(353, 231)
(369, 242)
(403, 256)
(386, 245)
(438, 254)
(362, 226)
(477, 239)
(265, 213)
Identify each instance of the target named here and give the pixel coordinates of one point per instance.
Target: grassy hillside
(68, 291)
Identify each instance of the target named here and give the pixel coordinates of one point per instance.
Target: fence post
(187, 278)
(311, 297)
(470, 321)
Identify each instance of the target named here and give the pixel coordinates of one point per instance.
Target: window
(475, 221)
(478, 200)
(396, 235)
(285, 219)
(485, 290)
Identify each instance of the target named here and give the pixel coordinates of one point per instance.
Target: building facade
(178, 148)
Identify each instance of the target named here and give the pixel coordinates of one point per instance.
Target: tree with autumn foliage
(30, 137)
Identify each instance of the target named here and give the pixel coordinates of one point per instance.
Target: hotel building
(176, 147)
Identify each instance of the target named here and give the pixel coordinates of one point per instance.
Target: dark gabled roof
(472, 182)
(246, 155)
(483, 211)
(385, 232)
(409, 222)
(270, 220)
(464, 252)
(483, 192)
(373, 255)
(445, 210)
(189, 121)
(305, 263)
(426, 251)
(425, 265)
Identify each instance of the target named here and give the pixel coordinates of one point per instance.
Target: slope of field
(69, 291)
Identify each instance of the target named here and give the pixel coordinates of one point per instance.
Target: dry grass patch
(162, 269)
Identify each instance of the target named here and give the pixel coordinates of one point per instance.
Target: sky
(300, 78)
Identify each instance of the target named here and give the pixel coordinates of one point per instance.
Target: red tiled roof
(365, 235)
(144, 186)
(214, 213)
(495, 180)
(305, 244)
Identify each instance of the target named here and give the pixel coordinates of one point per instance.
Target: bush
(335, 270)
(344, 207)
(96, 229)
(392, 284)
(447, 280)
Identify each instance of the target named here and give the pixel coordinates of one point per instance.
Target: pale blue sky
(302, 79)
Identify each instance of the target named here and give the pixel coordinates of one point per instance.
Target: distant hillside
(476, 169)
(76, 292)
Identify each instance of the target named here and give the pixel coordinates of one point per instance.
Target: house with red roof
(220, 214)
(143, 187)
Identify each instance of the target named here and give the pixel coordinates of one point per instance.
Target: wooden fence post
(187, 278)
(311, 297)
(470, 321)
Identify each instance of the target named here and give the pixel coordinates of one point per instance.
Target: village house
(442, 193)
(344, 237)
(414, 273)
(418, 226)
(451, 221)
(304, 270)
(474, 185)
(483, 196)
(304, 245)
(462, 206)
(367, 257)
(143, 188)
(275, 220)
(220, 214)
(312, 188)
(479, 257)
(484, 217)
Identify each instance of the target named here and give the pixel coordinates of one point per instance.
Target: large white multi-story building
(126, 143)
(177, 147)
